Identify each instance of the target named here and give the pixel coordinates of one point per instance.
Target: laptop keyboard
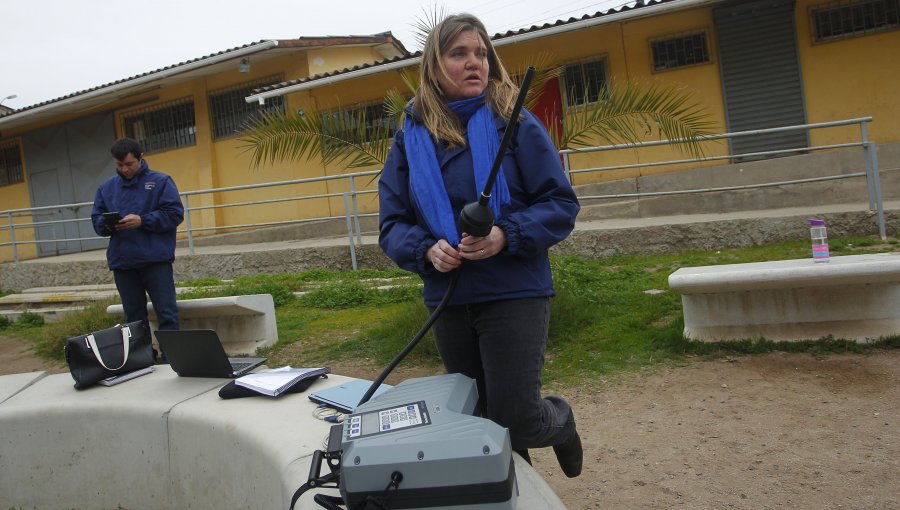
(237, 366)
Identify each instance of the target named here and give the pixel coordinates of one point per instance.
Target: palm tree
(621, 114)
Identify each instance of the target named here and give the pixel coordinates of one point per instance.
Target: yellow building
(751, 64)
(188, 118)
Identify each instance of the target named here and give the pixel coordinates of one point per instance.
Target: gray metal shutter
(760, 73)
(66, 162)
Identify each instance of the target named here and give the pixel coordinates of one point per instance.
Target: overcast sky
(52, 48)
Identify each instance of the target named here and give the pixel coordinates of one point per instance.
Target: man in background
(140, 210)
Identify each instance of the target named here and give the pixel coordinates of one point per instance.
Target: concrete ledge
(243, 323)
(855, 297)
(163, 441)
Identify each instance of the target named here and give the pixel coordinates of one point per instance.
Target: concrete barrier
(162, 441)
(854, 297)
(243, 323)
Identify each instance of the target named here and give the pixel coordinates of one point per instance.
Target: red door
(549, 107)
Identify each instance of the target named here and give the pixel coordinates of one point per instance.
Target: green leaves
(627, 113)
(338, 137)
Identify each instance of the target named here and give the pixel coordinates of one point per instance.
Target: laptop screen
(199, 353)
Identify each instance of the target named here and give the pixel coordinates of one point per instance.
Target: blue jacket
(151, 195)
(541, 213)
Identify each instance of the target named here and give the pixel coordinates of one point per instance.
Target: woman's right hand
(443, 256)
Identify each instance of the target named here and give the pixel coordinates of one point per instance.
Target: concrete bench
(854, 297)
(243, 323)
(162, 441)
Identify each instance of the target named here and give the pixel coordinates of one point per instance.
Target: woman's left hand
(480, 248)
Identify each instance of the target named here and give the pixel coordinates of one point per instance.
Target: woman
(494, 329)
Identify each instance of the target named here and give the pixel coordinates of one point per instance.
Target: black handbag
(108, 352)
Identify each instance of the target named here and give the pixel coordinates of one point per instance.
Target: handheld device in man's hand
(111, 218)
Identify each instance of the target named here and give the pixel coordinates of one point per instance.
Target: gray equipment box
(417, 445)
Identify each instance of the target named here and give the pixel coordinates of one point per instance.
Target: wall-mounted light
(244, 66)
(301, 112)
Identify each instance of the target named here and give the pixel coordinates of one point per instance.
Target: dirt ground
(770, 431)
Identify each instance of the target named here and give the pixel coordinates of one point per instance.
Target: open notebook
(199, 353)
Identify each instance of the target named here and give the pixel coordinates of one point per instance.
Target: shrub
(91, 318)
(30, 319)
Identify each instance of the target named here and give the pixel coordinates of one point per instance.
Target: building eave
(641, 9)
(384, 43)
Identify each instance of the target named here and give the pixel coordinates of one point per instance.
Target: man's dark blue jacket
(154, 197)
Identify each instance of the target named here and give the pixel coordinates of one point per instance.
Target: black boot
(570, 455)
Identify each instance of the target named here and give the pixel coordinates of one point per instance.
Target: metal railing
(350, 204)
(870, 155)
(350, 201)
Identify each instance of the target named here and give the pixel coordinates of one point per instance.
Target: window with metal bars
(162, 127)
(584, 81)
(680, 51)
(838, 20)
(10, 163)
(230, 113)
(378, 124)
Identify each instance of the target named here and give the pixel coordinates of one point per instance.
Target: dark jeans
(501, 345)
(155, 280)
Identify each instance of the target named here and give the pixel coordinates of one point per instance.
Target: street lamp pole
(11, 96)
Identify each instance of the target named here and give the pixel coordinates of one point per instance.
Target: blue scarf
(425, 180)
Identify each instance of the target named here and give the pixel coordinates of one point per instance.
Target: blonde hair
(430, 102)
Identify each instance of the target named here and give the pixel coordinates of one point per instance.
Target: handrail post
(567, 166)
(867, 153)
(876, 187)
(187, 220)
(355, 210)
(350, 232)
(873, 179)
(12, 237)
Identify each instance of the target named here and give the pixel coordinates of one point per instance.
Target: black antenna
(476, 219)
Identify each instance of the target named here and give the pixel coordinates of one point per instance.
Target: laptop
(199, 353)
(345, 397)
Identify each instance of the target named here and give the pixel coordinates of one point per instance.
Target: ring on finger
(482, 252)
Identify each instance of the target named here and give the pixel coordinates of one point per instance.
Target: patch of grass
(385, 339)
(368, 334)
(330, 288)
(49, 340)
(209, 281)
(344, 293)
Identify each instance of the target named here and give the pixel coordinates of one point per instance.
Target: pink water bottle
(819, 238)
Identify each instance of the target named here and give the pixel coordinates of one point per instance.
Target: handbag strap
(126, 336)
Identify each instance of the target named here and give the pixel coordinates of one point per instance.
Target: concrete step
(49, 314)
(54, 302)
(70, 288)
(37, 299)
